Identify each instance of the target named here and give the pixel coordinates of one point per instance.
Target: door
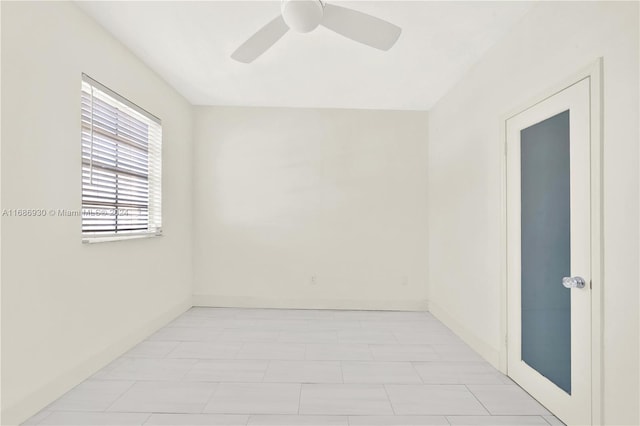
(548, 252)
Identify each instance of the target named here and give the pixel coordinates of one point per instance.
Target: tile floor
(215, 366)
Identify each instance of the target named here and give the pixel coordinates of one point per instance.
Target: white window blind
(121, 166)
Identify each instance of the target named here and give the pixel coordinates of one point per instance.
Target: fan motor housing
(302, 15)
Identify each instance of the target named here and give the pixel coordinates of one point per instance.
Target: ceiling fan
(305, 15)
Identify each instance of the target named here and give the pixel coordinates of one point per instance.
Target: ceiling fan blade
(361, 27)
(261, 41)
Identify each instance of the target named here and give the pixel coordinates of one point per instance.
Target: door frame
(593, 72)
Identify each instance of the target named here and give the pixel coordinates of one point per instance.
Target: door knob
(573, 282)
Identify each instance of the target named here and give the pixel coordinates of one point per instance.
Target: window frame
(153, 203)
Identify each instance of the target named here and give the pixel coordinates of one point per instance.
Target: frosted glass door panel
(546, 248)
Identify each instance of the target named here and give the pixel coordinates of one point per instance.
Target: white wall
(69, 308)
(551, 43)
(284, 195)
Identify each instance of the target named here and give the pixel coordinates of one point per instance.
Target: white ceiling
(189, 43)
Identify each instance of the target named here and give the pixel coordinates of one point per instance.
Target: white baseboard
(218, 301)
(48, 393)
(488, 352)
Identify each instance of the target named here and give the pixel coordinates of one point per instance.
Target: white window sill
(90, 239)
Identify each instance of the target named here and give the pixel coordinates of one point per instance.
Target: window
(121, 167)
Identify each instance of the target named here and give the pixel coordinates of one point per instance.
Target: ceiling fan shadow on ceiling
(305, 15)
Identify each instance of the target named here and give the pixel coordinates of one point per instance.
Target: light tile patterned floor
(218, 366)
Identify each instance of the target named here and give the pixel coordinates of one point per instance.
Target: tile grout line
(213, 394)
(413, 366)
(134, 382)
(147, 419)
(386, 391)
(477, 399)
(266, 370)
